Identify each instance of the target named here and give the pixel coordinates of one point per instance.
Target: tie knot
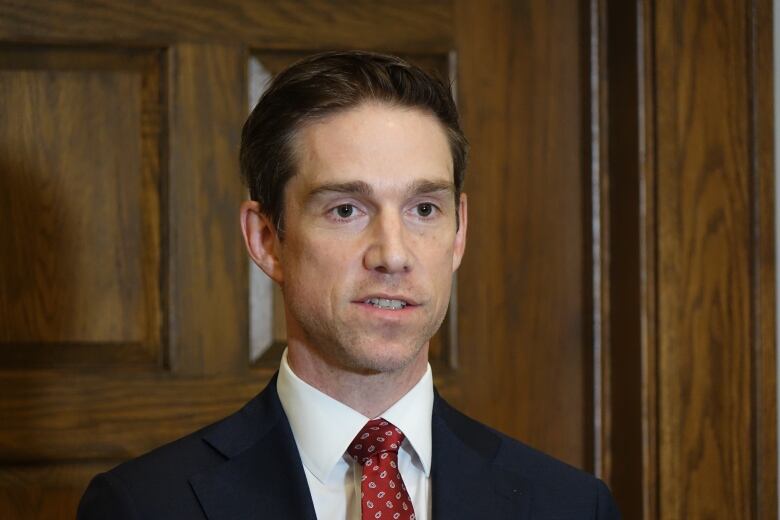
(377, 436)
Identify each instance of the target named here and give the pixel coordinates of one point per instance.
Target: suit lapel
(466, 480)
(263, 475)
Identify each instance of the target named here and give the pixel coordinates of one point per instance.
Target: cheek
(322, 265)
(306, 291)
(435, 262)
(435, 250)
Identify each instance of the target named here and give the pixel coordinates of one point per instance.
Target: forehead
(383, 145)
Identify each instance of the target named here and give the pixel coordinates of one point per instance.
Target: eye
(425, 209)
(344, 212)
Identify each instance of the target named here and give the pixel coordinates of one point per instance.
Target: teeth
(383, 303)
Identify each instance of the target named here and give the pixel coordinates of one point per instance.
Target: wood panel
(764, 262)
(686, 413)
(681, 124)
(179, 70)
(51, 491)
(649, 275)
(208, 280)
(57, 152)
(60, 415)
(523, 285)
(59, 428)
(688, 165)
(281, 24)
(704, 246)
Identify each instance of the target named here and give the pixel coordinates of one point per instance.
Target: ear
(460, 236)
(261, 239)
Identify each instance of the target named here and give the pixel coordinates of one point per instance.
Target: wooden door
(124, 287)
(684, 97)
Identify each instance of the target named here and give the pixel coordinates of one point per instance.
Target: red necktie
(383, 490)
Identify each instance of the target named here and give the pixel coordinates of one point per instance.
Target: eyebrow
(424, 187)
(421, 187)
(356, 187)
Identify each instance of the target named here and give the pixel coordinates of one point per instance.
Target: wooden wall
(616, 303)
(524, 284)
(685, 105)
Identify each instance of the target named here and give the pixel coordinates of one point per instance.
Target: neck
(367, 393)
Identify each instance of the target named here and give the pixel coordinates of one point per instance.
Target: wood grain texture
(522, 289)
(153, 122)
(83, 356)
(208, 276)
(32, 502)
(62, 415)
(764, 260)
(34, 491)
(648, 142)
(72, 412)
(281, 24)
(78, 288)
(706, 301)
(691, 254)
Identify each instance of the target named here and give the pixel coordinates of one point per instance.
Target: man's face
(370, 239)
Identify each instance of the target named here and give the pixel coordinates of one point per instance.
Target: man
(355, 165)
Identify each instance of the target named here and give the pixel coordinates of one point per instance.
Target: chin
(390, 359)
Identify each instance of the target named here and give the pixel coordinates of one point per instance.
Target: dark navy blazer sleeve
(106, 497)
(606, 507)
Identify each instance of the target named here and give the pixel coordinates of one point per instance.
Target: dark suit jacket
(248, 466)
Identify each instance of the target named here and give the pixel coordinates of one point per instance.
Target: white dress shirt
(323, 428)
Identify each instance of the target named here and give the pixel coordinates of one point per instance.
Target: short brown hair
(324, 84)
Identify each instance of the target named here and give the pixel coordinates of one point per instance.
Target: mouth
(385, 303)
(389, 303)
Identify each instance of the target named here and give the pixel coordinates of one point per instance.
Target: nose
(388, 251)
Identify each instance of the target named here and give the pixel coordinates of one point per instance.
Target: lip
(396, 316)
(409, 301)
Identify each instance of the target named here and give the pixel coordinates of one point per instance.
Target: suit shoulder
(106, 498)
(205, 447)
(153, 485)
(553, 481)
(156, 484)
(179, 458)
(543, 468)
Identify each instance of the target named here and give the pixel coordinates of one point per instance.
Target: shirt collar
(323, 427)
(412, 415)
